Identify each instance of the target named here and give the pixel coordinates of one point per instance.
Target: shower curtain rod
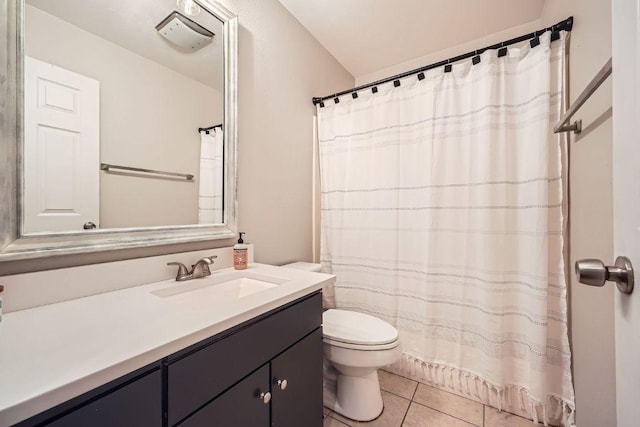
(566, 25)
(210, 128)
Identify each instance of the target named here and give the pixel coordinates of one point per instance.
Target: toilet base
(358, 398)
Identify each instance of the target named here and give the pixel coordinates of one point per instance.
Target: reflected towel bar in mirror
(107, 167)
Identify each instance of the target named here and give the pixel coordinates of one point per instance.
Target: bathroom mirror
(125, 125)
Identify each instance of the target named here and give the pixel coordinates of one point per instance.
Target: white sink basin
(223, 287)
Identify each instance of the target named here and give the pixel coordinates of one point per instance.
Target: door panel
(61, 149)
(239, 406)
(626, 176)
(300, 403)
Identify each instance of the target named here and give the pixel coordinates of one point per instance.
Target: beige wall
(450, 52)
(591, 315)
(591, 214)
(149, 118)
(281, 68)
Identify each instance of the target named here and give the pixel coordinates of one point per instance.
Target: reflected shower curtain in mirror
(211, 177)
(444, 213)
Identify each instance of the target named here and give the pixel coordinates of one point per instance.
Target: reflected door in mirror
(62, 148)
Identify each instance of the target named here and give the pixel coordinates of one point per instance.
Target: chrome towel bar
(107, 167)
(576, 126)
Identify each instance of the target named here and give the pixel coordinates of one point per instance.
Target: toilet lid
(356, 328)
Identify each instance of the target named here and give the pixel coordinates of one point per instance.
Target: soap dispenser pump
(240, 254)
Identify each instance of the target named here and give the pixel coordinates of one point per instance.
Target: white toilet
(356, 345)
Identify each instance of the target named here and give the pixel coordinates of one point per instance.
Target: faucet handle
(183, 272)
(204, 264)
(208, 259)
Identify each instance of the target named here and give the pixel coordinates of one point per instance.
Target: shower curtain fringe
(554, 412)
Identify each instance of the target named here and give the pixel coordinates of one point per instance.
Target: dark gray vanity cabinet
(286, 343)
(294, 383)
(264, 372)
(132, 400)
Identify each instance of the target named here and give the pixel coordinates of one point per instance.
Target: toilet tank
(306, 266)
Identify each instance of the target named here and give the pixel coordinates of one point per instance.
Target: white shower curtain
(443, 213)
(211, 177)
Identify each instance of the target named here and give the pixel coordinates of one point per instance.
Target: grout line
(335, 419)
(397, 395)
(450, 415)
(402, 376)
(415, 391)
(441, 390)
(411, 401)
(432, 385)
(409, 379)
(405, 413)
(462, 395)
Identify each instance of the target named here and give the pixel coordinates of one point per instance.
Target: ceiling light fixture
(183, 32)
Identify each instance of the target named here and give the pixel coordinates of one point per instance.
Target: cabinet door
(300, 403)
(137, 404)
(197, 378)
(240, 406)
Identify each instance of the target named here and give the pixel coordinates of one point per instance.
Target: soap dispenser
(240, 254)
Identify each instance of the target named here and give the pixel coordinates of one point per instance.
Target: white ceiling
(364, 35)
(369, 35)
(131, 24)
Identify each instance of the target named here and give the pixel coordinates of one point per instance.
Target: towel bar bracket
(576, 127)
(595, 83)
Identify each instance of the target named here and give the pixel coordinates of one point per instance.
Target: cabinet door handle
(266, 397)
(282, 384)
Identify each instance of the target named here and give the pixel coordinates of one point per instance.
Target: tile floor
(408, 403)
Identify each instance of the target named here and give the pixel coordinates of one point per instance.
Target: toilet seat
(357, 331)
(362, 347)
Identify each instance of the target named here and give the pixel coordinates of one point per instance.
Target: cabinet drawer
(138, 404)
(204, 374)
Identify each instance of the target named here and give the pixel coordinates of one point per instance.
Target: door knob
(282, 384)
(593, 272)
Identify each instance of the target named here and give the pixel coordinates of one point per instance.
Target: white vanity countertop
(52, 353)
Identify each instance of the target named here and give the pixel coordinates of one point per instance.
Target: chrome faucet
(198, 270)
(201, 267)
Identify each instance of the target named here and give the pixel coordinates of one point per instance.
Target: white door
(61, 149)
(626, 182)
